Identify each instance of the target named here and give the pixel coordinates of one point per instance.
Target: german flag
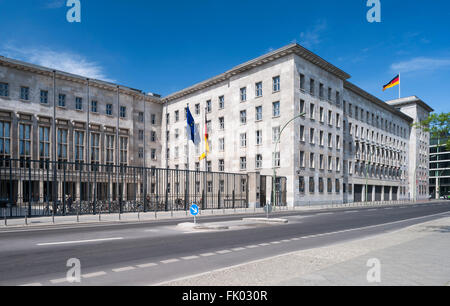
(395, 81)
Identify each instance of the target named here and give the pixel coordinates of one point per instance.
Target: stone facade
(347, 146)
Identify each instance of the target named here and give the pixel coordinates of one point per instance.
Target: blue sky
(165, 46)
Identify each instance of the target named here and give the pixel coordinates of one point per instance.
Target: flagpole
(188, 165)
(399, 85)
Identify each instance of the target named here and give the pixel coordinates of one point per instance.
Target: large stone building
(439, 169)
(348, 146)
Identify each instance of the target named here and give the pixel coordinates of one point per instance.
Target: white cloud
(312, 36)
(64, 61)
(420, 64)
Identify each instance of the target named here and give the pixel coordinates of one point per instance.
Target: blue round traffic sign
(194, 210)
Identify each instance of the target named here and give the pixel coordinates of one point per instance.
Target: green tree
(438, 125)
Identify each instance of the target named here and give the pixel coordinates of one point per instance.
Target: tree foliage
(438, 125)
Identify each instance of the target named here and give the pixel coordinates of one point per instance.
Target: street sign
(194, 210)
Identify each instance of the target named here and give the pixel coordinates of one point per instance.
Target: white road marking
(95, 274)
(252, 246)
(286, 240)
(295, 239)
(147, 265)
(31, 285)
(223, 252)
(275, 242)
(58, 281)
(79, 241)
(264, 244)
(168, 261)
(207, 254)
(190, 257)
(123, 269)
(351, 211)
(152, 230)
(238, 249)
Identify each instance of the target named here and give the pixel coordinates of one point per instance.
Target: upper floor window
(243, 94)
(123, 112)
(258, 90)
(44, 97)
(258, 113)
(94, 105)
(177, 116)
(276, 83)
(153, 119)
(276, 109)
(302, 82)
(4, 89)
(78, 103)
(208, 106)
(197, 109)
(62, 100)
(109, 109)
(221, 102)
(243, 116)
(25, 93)
(311, 87)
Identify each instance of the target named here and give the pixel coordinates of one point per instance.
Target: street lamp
(274, 166)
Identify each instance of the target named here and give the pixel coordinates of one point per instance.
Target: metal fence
(44, 188)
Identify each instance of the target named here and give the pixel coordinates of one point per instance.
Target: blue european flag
(191, 128)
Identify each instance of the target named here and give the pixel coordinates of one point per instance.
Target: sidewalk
(417, 255)
(151, 216)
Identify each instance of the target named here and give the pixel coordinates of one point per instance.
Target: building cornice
(264, 59)
(61, 75)
(376, 101)
(410, 100)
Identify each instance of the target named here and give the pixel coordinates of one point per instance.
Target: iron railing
(44, 188)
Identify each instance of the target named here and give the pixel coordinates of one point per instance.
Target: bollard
(6, 218)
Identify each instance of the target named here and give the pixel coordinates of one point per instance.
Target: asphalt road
(154, 252)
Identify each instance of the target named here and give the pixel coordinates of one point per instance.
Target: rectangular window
(221, 102)
(44, 143)
(338, 186)
(95, 148)
(141, 135)
(79, 146)
(302, 159)
(321, 115)
(275, 133)
(276, 159)
(329, 186)
(311, 111)
(321, 162)
(221, 144)
(109, 109)
(312, 163)
(311, 185)
(25, 93)
(62, 145)
(5, 140)
(311, 87)
(208, 106)
(243, 116)
(258, 113)
(4, 89)
(320, 185)
(330, 163)
(302, 82)
(338, 98)
(302, 133)
(338, 164)
(243, 138)
(330, 140)
(301, 184)
(276, 109)
(123, 146)
(321, 93)
(330, 118)
(153, 154)
(221, 165)
(197, 109)
(62, 100)
(243, 163)
(153, 119)
(321, 138)
(258, 161)
(338, 120)
(311, 136)
(44, 97)
(258, 89)
(222, 123)
(243, 94)
(338, 142)
(94, 105)
(259, 137)
(109, 149)
(177, 116)
(123, 112)
(329, 94)
(302, 106)
(276, 84)
(153, 136)
(78, 103)
(25, 141)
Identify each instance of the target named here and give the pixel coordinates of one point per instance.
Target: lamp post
(274, 166)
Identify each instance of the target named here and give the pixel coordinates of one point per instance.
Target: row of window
(97, 149)
(312, 89)
(320, 189)
(79, 104)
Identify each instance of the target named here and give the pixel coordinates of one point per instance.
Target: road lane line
(275, 242)
(252, 246)
(79, 241)
(190, 257)
(147, 265)
(207, 254)
(238, 249)
(264, 244)
(168, 261)
(129, 268)
(223, 252)
(58, 281)
(31, 285)
(95, 274)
